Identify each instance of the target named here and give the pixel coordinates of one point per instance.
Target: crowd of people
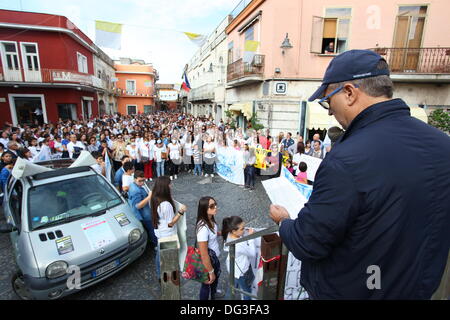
(159, 146)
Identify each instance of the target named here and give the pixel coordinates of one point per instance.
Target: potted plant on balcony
(230, 119)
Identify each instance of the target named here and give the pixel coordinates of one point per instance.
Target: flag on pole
(185, 85)
(108, 34)
(198, 39)
(108, 167)
(250, 50)
(44, 155)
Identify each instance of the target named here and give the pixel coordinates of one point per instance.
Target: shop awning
(317, 117)
(419, 113)
(246, 108)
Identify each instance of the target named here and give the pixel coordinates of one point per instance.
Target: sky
(152, 28)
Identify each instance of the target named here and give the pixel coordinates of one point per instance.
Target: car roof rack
(60, 172)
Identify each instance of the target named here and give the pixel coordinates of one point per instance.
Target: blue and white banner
(230, 165)
(304, 189)
(108, 167)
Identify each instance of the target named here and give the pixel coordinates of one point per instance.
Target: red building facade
(46, 64)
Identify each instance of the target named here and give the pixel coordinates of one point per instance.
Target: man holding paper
(376, 224)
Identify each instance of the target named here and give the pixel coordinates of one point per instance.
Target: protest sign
(230, 165)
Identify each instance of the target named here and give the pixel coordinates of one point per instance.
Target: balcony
(242, 73)
(135, 94)
(417, 64)
(205, 92)
(48, 77)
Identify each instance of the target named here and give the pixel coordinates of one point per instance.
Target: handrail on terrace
(275, 272)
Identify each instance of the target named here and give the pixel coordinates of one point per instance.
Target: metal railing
(204, 92)
(239, 8)
(240, 69)
(416, 60)
(55, 76)
(274, 255)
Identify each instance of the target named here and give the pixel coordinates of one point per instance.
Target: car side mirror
(7, 228)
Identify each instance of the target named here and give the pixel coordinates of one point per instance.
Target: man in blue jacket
(377, 223)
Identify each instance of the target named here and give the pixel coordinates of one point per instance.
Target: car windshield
(72, 199)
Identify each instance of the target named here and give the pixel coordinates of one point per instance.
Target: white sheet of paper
(281, 192)
(98, 233)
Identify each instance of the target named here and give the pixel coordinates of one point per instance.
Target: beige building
(105, 81)
(206, 72)
(277, 55)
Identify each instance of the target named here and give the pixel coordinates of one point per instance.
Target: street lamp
(286, 44)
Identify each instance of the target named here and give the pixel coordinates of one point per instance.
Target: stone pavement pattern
(138, 281)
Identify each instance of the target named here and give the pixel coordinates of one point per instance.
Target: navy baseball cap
(348, 66)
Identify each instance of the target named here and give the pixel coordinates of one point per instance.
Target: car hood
(82, 241)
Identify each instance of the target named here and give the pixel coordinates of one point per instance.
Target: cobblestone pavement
(138, 281)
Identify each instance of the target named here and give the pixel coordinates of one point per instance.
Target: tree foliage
(440, 119)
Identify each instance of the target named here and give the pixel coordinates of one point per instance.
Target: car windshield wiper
(78, 216)
(64, 220)
(48, 225)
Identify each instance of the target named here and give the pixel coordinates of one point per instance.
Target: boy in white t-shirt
(127, 177)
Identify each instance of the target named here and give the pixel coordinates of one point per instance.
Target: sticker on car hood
(122, 219)
(64, 245)
(98, 233)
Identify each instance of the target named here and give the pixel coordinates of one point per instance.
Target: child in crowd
(302, 176)
(289, 166)
(197, 160)
(233, 228)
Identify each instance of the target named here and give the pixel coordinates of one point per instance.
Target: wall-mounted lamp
(286, 44)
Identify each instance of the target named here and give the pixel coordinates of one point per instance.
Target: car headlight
(134, 236)
(56, 269)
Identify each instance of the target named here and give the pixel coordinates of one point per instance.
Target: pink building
(295, 41)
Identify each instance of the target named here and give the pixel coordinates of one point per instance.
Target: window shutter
(316, 35)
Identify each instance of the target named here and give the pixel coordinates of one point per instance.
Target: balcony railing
(135, 93)
(205, 92)
(55, 76)
(416, 60)
(240, 69)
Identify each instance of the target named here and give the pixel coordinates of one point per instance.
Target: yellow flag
(251, 45)
(108, 26)
(198, 39)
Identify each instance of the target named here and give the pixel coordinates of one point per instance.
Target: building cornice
(135, 72)
(243, 15)
(50, 29)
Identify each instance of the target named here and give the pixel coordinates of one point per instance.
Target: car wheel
(19, 286)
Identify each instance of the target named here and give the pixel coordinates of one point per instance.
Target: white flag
(108, 167)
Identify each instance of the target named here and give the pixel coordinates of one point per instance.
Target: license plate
(105, 268)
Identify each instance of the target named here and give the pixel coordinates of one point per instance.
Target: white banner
(312, 163)
(230, 165)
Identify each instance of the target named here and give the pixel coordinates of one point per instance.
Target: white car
(65, 220)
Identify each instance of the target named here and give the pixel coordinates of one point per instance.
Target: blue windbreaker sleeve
(322, 224)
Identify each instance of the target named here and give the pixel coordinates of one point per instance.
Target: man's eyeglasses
(213, 206)
(325, 101)
(140, 180)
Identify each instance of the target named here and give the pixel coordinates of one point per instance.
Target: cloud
(152, 28)
(161, 44)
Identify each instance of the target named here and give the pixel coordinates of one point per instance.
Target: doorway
(27, 109)
(408, 39)
(67, 111)
(86, 109)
